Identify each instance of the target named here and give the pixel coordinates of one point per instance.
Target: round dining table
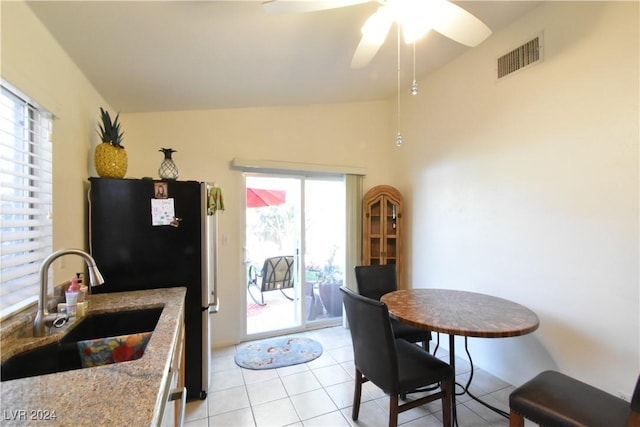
(463, 313)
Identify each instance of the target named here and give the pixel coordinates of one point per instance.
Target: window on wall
(25, 198)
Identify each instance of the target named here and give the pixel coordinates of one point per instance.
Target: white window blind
(25, 198)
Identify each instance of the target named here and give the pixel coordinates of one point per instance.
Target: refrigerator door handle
(210, 299)
(214, 306)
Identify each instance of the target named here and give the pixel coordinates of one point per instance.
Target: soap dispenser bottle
(72, 297)
(84, 290)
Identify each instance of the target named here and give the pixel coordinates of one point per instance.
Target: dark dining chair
(395, 365)
(373, 282)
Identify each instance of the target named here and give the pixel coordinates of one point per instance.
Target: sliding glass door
(294, 252)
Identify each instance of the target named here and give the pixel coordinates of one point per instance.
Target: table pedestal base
(465, 388)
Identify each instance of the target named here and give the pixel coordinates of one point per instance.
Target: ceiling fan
(416, 17)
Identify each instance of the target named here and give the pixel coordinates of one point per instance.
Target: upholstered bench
(554, 399)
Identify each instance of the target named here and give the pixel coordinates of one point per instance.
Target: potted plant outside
(330, 280)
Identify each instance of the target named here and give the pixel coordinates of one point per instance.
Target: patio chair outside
(276, 274)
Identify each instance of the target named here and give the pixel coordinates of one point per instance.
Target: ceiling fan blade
(374, 33)
(365, 52)
(301, 6)
(456, 23)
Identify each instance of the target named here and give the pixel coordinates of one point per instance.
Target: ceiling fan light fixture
(414, 17)
(446, 18)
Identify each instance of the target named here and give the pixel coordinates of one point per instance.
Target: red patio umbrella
(259, 197)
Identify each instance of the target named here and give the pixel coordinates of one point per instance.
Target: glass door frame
(300, 315)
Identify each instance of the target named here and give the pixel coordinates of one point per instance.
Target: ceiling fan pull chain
(399, 139)
(414, 86)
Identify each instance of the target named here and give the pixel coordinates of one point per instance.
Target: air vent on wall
(520, 57)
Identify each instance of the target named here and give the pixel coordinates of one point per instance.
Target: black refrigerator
(148, 234)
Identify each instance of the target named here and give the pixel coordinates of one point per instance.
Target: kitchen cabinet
(175, 389)
(382, 223)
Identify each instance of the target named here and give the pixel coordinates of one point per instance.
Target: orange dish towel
(103, 351)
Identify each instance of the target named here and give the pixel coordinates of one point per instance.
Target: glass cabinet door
(382, 227)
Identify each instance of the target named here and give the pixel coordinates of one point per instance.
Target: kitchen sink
(56, 357)
(65, 355)
(114, 324)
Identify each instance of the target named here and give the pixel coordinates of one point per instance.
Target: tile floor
(320, 393)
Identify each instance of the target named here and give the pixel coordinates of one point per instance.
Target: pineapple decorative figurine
(168, 169)
(110, 156)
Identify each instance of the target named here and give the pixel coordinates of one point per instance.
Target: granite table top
(125, 394)
(461, 313)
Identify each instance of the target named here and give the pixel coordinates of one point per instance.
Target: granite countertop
(127, 393)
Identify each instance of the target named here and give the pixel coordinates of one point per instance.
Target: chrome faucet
(44, 319)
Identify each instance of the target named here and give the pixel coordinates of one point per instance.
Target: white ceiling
(183, 55)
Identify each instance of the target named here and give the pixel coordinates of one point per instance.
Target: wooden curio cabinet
(382, 209)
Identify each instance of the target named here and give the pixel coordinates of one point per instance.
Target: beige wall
(207, 141)
(527, 188)
(33, 62)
